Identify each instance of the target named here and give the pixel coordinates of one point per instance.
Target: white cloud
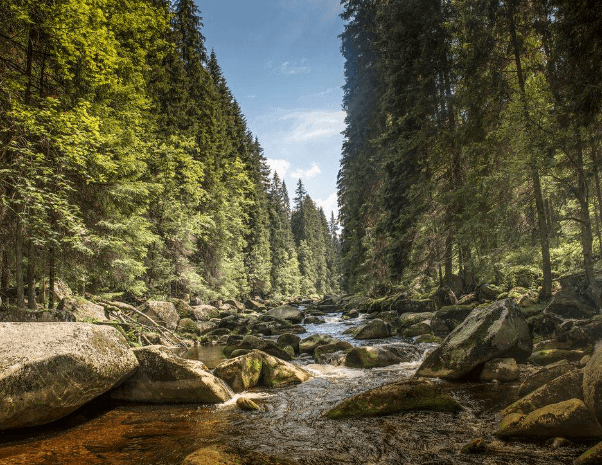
(280, 166)
(295, 68)
(315, 124)
(251, 96)
(307, 174)
(329, 205)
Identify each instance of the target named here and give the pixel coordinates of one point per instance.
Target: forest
(126, 164)
(477, 125)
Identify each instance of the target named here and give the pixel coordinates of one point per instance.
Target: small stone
(557, 443)
(475, 446)
(245, 403)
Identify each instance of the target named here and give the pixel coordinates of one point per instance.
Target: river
(289, 425)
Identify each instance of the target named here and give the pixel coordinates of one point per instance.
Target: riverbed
(289, 424)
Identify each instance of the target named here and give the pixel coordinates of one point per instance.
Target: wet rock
(488, 292)
(592, 383)
(543, 376)
(585, 360)
(414, 306)
(498, 331)
(83, 310)
(244, 403)
(309, 344)
(557, 443)
(405, 396)
(250, 342)
(544, 324)
(406, 352)
(286, 312)
(217, 455)
(569, 304)
(321, 351)
(315, 320)
(568, 419)
(580, 334)
(376, 329)
(548, 356)
(444, 296)
(48, 370)
(259, 368)
(254, 305)
(446, 319)
(500, 369)
(592, 456)
(162, 313)
(409, 319)
(428, 338)
(353, 314)
(370, 357)
(417, 329)
(289, 339)
(475, 446)
(565, 387)
(166, 378)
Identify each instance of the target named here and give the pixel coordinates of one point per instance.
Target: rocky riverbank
(524, 383)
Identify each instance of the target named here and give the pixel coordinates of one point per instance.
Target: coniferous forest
(126, 163)
(477, 123)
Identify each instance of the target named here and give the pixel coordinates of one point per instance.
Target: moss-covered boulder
(417, 329)
(544, 376)
(287, 312)
(565, 387)
(568, 304)
(259, 368)
(404, 396)
(83, 309)
(409, 319)
(289, 339)
(309, 344)
(204, 312)
(244, 403)
(549, 356)
(592, 456)
(47, 370)
(186, 325)
(375, 329)
(166, 378)
(321, 351)
(497, 331)
(569, 419)
(448, 318)
(370, 357)
(592, 383)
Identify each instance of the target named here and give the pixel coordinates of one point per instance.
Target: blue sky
(282, 61)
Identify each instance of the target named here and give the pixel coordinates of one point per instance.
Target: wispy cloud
(307, 174)
(289, 68)
(251, 96)
(329, 205)
(315, 124)
(280, 166)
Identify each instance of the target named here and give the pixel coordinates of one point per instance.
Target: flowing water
(289, 425)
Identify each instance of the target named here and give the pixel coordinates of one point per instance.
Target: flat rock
(166, 378)
(497, 331)
(48, 370)
(404, 396)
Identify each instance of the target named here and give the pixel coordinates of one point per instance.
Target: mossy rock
(592, 456)
(427, 338)
(186, 325)
(405, 396)
(546, 357)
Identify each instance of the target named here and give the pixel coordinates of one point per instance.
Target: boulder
(14, 314)
(548, 356)
(409, 319)
(370, 357)
(254, 305)
(405, 396)
(500, 369)
(488, 292)
(286, 312)
(580, 334)
(83, 310)
(417, 329)
(565, 387)
(48, 370)
(569, 419)
(166, 378)
(183, 308)
(592, 383)
(162, 313)
(313, 320)
(321, 351)
(569, 304)
(444, 296)
(308, 345)
(289, 339)
(259, 368)
(376, 329)
(414, 306)
(498, 331)
(544, 324)
(446, 319)
(543, 376)
(270, 347)
(204, 312)
(244, 403)
(186, 325)
(592, 456)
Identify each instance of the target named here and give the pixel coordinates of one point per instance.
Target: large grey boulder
(204, 312)
(376, 329)
(497, 331)
(569, 304)
(258, 368)
(287, 312)
(48, 370)
(166, 378)
(162, 313)
(448, 318)
(83, 310)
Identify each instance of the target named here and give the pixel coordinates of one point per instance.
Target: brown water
(290, 424)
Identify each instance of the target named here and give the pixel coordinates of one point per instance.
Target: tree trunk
(19, 263)
(539, 205)
(31, 285)
(51, 279)
(449, 257)
(594, 154)
(5, 271)
(586, 224)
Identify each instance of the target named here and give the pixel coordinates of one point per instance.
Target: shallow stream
(289, 425)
